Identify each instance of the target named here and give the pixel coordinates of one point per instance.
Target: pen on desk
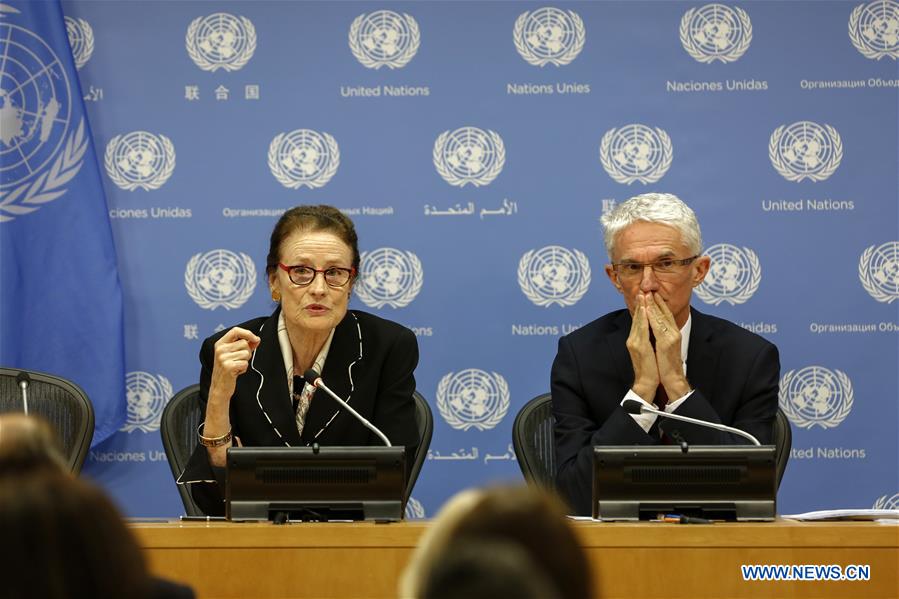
(681, 519)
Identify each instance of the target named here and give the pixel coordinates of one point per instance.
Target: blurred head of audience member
(63, 538)
(27, 443)
(487, 570)
(523, 517)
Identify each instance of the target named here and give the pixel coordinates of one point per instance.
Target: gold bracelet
(214, 441)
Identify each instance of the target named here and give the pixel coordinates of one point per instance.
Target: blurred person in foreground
(62, 537)
(27, 443)
(527, 519)
(658, 350)
(487, 570)
(251, 388)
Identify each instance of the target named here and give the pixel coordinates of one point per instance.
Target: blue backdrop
(476, 145)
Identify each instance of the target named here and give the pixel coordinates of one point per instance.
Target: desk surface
(223, 559)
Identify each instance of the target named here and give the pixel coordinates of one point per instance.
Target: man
(658, 351)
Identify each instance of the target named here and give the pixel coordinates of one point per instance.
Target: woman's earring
(276, 297)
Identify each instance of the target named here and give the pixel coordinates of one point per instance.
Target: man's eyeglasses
(304, 275)
(665, 266)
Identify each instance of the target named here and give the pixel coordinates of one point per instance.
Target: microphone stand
(24, 380)
(629, 407)
(315, 379)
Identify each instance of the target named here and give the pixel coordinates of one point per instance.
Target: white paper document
(848, 514)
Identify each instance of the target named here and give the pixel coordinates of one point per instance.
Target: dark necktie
(661, 398)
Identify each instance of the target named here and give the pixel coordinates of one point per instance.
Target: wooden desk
(247, 560)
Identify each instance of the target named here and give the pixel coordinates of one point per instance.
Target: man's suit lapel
(702, 356)
(617, 343)
(274, 394)
(345, 349)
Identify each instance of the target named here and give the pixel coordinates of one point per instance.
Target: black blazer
(370, 365)
(734, 374)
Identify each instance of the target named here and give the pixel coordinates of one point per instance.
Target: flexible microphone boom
(632, 406)
(315, 379)
(24, 380)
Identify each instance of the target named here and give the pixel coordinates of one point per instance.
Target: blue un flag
(61, 309)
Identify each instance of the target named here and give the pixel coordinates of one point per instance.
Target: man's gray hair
(663, 208)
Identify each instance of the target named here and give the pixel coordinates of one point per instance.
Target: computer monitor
(720, 482)
(315, 483)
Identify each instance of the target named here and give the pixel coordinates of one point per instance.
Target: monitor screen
(315, 483)
(720, 482)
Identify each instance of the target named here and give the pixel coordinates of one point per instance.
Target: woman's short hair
(662, 208)
(528, 518)
(64, 538)
(311, 218)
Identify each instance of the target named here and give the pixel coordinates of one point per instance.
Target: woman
(251, 388)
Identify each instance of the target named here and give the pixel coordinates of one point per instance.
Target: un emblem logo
(414, 509)
(303, 157)
(469, 155)
(554, 275)
(139, 160)
(473, 398)
(384, 39)
(733, 277)
(805, 150)
(878, 270)
(40, 152)
(549, 36)
(887, 503)
(147, 396)
(220, 41)
(388, 277)
(874, 29)
(220, 278)
(715, 32)
(636, 153)
(815, 396)
(81, 39)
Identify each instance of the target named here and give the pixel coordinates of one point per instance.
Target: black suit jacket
(370, 365)
(734, 374)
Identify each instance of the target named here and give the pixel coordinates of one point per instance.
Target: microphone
(632, 406)
(24, 380)
(315, 379)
